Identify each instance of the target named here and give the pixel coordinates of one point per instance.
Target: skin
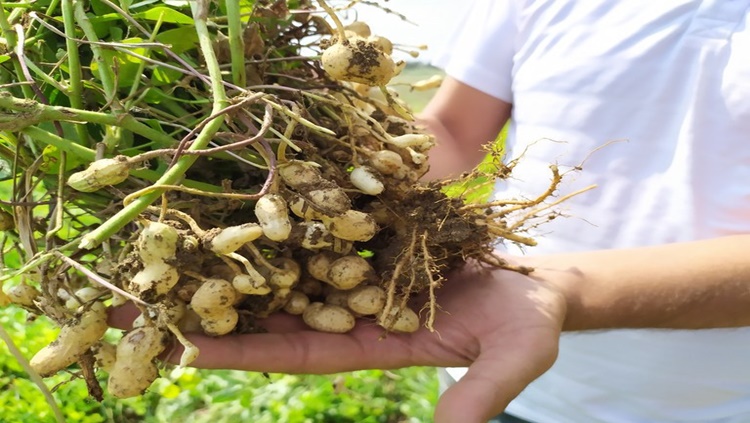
(502, 325)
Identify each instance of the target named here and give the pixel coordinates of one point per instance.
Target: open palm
(502, 325)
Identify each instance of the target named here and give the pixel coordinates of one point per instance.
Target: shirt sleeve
(479, 45)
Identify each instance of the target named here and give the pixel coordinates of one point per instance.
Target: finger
(493, 381)
(283, 323)
(122, 317)
(304, 352)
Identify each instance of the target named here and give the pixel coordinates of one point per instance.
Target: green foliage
(478, 188)
(213, 396)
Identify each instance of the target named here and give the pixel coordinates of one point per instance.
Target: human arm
(691, 285)
(463, 119)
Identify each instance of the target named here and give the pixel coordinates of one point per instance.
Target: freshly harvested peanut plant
(217, 163)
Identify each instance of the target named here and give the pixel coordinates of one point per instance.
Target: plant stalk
(75, 82)
(11, 39)
(236, 43)
(105, 68)
(176, 172)
(32, 113)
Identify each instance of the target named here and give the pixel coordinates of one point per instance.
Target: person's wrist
(565, 283)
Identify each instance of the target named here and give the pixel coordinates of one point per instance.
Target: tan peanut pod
(318, 265)
(434, 81)
(190, 322)
(366, 180)
(315, 236)
(349, 271)
(245, 284)
(342, 62)
(273, 216)
(359, 28)
(172, 311)
(220, 323)
(75, 338)
(328, 318)
(331, 200)
(289, 276)
(157, 242)
(341, 246)
(402, 321)
(230, 239)
(302, 209)
(213, 294)
(366, 300)
(386, 162)
(298, 174)
(213, 303)
(353, 225)
(384, 44)
(156, 278)
(278, 300)
(139, 321)
(101, 173)
(23, 294)
(85, 295)
(118, 299)
(187, 289)
(105, 355)
(296, 303)
(135, 368)
(420, 142)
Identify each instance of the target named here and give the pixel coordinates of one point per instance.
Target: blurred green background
(217, 396)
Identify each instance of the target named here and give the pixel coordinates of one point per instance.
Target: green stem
(52, 8)
(61, 144)
(30, 113)
(11, 40)
(236, 43)
(141, 66)
(200, 12)
(105, 68)
(46, 78)
(176, 172)
(75, 93)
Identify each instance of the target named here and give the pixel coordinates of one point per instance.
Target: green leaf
(163, 76)
(177, 3)
(51, 160)
(4, 57)
(165, 14)
(127, 66)
(180, 39)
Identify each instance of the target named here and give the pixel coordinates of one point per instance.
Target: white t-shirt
(672, 79)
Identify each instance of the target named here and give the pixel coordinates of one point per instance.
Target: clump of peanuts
(343, 231)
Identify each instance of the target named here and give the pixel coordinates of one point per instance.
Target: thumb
(492, 381)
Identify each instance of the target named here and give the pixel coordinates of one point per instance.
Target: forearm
(463, 119)
(695, 285)
(448, 158)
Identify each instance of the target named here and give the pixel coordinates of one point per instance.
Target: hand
(504, 326)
